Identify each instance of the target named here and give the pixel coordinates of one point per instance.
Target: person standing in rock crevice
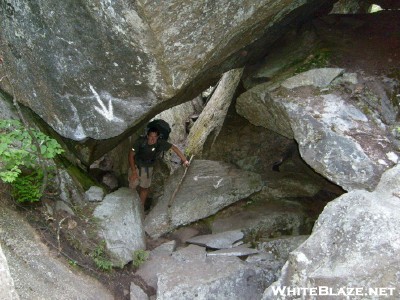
(142, 158)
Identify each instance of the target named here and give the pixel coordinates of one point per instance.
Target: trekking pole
(172, 199)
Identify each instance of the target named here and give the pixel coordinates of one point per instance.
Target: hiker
(142, 157)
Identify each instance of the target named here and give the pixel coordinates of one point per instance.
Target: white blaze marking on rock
(218, 183)
(107, 113)
(195, 178)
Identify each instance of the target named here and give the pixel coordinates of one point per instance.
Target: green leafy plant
(27, 188)
(139, 257)
(72, 262)
(20, 152)
(100, 258)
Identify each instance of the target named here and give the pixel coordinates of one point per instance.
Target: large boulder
(333, 134)
(353, 244)
(120, 218)
(189, 273)
(99, 69)
(207, 187)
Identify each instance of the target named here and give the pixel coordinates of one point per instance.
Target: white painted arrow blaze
(217, 185)
(195, 178)
(106, 112)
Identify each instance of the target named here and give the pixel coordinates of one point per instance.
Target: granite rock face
(207, 187)
(120, 216)
(334, 135)
(101, 68)
(355, 239)
(36, 271)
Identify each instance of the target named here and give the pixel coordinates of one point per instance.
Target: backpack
(146, 158)
(162, 126)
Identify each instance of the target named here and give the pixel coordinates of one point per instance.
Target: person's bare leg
(143, 193)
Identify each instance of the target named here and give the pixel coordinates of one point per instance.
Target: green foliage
(100, 258)
(139, 257)
(17, 149)
(27, 188)
(103, 264)
(72, 262)
(18, 152)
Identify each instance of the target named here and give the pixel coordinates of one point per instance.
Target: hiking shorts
(144, 179)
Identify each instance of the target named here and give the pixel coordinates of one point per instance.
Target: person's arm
(178, 152)
(131, 159)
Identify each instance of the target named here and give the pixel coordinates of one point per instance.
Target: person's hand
(186, 163)
(133, 180)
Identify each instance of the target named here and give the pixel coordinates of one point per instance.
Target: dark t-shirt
(145, 154)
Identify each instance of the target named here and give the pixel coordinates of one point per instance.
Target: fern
(27, 188)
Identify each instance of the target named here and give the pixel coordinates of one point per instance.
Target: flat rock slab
(317, 77)
(235, 251)
(190, 274)
(222, 240)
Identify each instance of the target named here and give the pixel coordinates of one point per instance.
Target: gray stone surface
(71, 191)
(220, 240)
(242, 250)
(335, 140)
(333, 134)
(320, 78)
(36, 271)
(154, 55)
(121, 217)
(354, 243)
(264, 218)
(188, 274)
(7, 288)
(200, 194)
(7, 111)
(282, 246)
(164, 249)
(137, 293)
(94, 194)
